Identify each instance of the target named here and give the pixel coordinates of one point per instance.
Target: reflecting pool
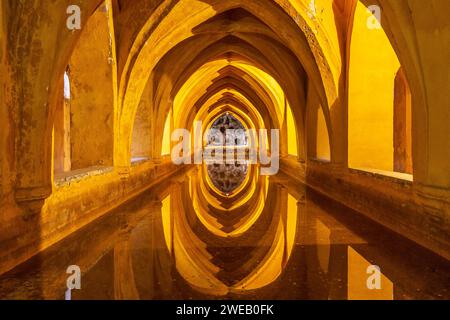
(227, 177)
(269, 238)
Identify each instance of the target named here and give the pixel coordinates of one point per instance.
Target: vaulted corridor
(210, 149)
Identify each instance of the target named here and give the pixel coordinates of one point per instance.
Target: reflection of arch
(399, 38)
(228, 216)
(272, 238)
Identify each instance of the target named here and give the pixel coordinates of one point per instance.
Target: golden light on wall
(373, 68)
(356, 93)
(195, 261)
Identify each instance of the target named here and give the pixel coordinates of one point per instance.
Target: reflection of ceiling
(227, 177)
(257, 220)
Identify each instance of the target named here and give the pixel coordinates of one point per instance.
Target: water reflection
(271, 240)
(227, 177)
(224, 264)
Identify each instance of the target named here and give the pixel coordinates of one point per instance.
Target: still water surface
(225, 232)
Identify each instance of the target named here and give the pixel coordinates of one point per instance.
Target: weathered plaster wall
(38, 57)
(141, 141)
(92, 94)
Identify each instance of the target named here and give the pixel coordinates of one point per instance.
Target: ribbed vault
(247, 39)
(275, 66)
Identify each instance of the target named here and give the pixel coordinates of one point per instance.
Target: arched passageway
(220, 146)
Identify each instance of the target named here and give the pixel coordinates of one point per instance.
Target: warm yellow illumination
(269, 270)
(166, 145)
(291, 224)
(167, 221)
(322, 141)
(373, 67)
(257, 189)
(87, 114)
(292, 133)
(358, 276)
